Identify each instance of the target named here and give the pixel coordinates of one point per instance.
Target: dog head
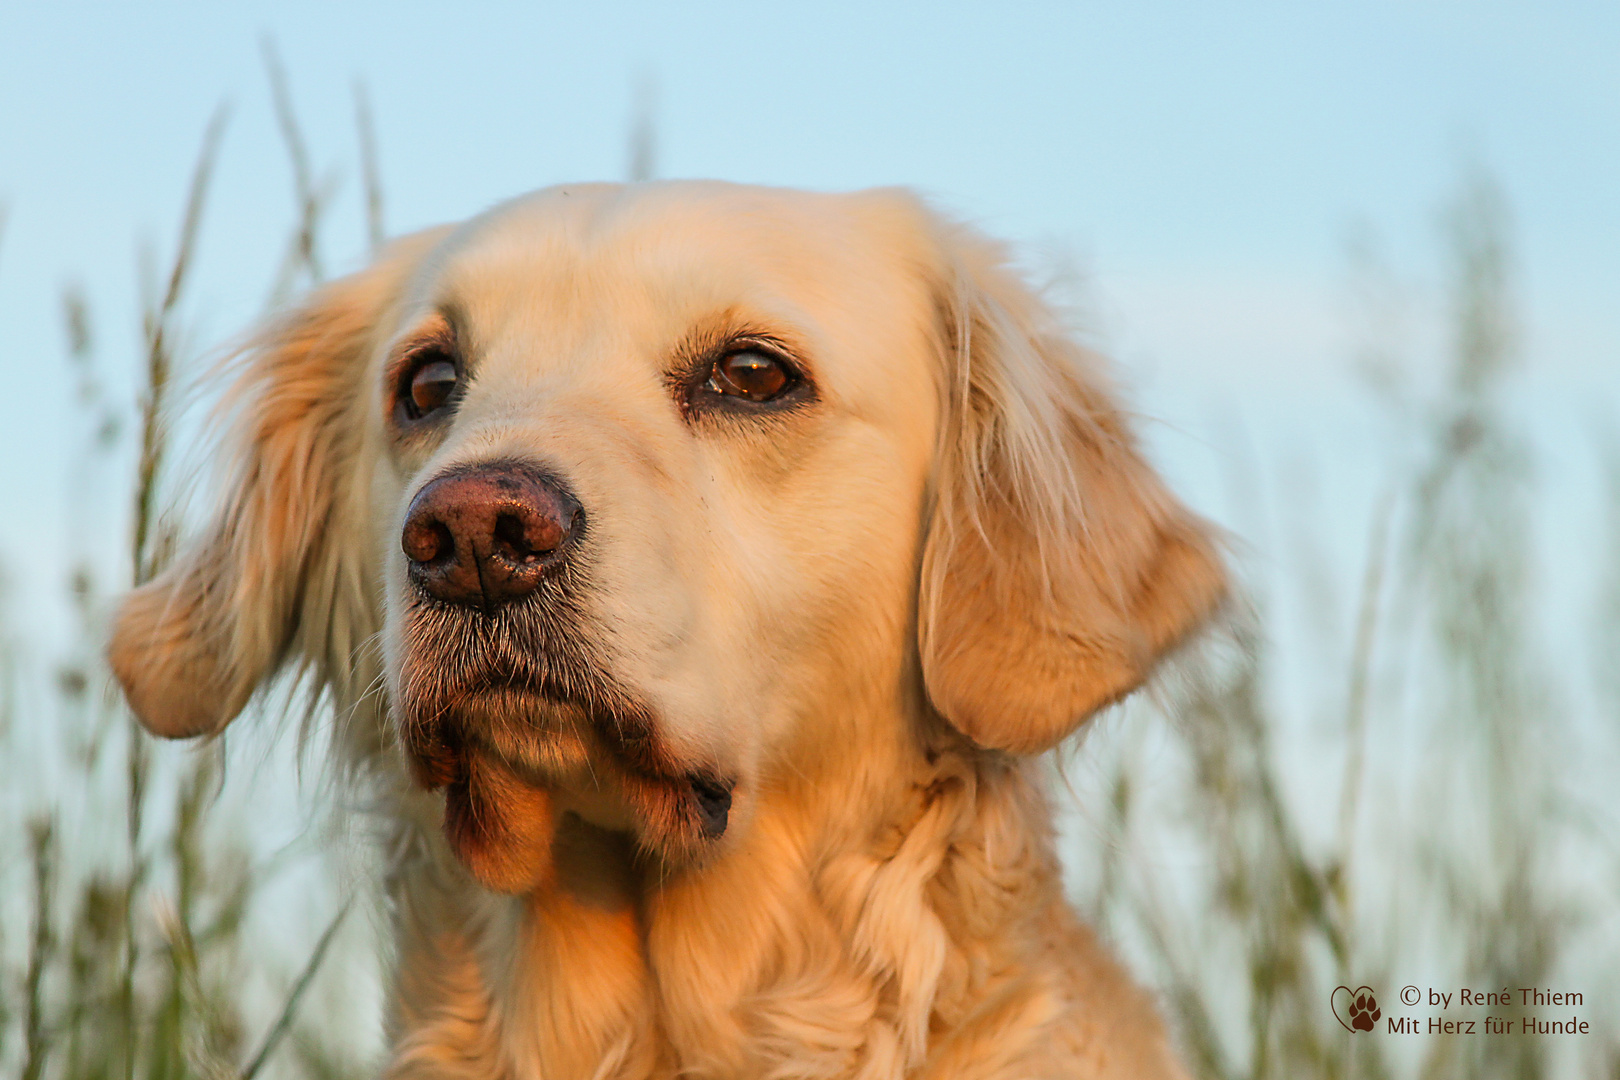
(627, 498)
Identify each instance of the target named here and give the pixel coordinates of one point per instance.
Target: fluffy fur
(865, 614)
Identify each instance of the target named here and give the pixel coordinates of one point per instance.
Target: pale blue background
(1201, 164)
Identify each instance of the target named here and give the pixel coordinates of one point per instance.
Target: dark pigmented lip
(713, 799)
(455, 751)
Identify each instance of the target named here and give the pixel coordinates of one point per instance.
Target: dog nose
(485, 536)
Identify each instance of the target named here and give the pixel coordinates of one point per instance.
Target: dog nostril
(527, 536)
(512, 539)
(426, 541)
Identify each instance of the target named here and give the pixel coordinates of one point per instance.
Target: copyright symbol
(1411, 995)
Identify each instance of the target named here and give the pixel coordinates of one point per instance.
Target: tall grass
(128, 951)
(138, 959)
(1457, 860)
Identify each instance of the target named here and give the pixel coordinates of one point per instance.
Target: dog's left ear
(1058, 569)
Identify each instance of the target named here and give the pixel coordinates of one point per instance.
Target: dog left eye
(432, 385)
(430, 382)
(751, 374)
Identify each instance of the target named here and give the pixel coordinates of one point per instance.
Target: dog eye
(431, 382)
(751, 374)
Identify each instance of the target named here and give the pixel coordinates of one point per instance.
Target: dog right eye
(430, 383)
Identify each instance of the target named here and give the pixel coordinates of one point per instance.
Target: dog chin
(511, 765)
(499, 825)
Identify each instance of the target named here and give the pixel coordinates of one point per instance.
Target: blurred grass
(1456, 726)
(131, 954)
(138, 958)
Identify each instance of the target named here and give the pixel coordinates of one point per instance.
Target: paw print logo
(1357, 1010)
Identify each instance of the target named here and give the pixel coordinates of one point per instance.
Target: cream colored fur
(871, 613)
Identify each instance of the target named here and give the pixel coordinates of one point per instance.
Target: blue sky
(1201, 164)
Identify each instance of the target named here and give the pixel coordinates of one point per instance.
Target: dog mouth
(515, 750)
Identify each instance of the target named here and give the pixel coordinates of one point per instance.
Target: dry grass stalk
(1474, 880)
(136, 960)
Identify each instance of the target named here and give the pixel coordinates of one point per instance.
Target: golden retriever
(698, 571)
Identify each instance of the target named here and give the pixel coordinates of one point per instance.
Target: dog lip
(713, 799)
(487, 687)
(438, 738)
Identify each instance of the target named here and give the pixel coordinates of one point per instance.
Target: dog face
(651, 493)
(716, 411)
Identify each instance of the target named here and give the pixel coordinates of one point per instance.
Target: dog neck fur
(864, 935)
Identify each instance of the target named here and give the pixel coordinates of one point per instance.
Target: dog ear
(1058, 569)
(272, 575)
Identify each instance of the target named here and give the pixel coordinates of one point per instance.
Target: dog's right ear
(271, 576)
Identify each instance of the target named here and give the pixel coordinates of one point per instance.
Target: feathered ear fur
(274, 575)
(1058, 569)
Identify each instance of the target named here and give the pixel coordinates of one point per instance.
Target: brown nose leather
(487, 535)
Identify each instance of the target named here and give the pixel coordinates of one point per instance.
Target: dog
(697, 573)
